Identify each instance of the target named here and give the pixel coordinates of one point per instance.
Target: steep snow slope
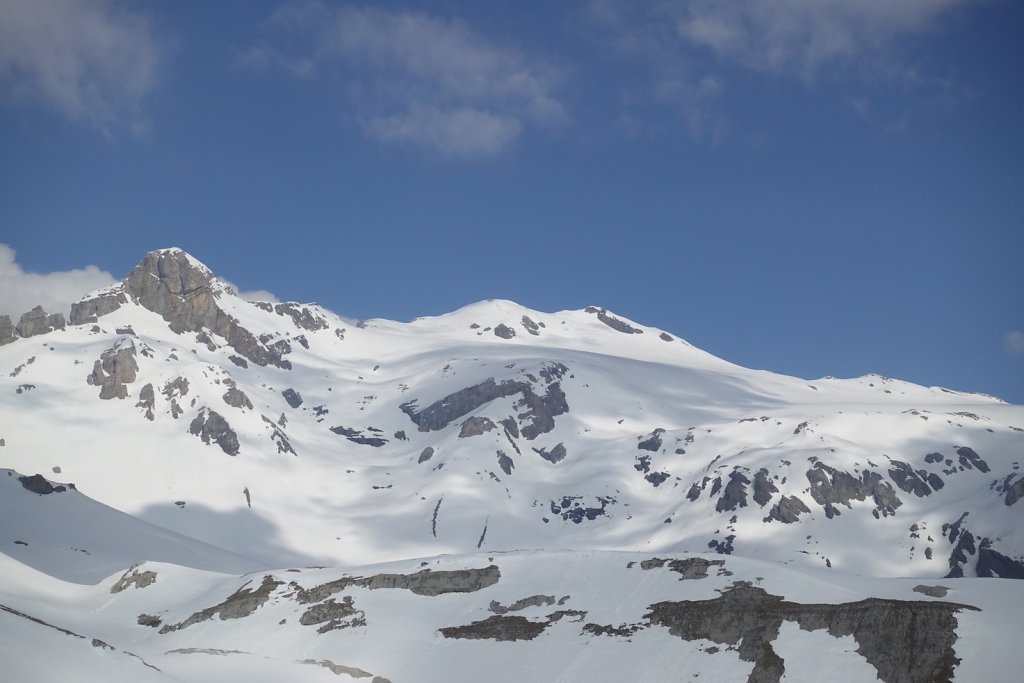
(290, 435)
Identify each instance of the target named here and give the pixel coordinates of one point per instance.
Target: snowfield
(230, 445)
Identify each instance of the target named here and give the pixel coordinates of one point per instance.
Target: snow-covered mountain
(223, 435)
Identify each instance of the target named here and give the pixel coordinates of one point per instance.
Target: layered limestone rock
(115, 369)
(7, 332)
(182, 291)
(37, 322)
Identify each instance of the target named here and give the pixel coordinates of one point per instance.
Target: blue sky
(806, 186)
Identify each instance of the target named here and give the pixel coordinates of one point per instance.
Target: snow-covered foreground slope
(568, 616)
(218, 434)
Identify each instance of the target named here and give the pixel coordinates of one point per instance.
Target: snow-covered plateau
(195, 487)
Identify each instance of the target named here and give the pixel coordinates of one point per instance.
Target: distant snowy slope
(286, 433)
(62, 533)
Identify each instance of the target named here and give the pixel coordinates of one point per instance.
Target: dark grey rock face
(333, 615)
(573, 509)
(763, 488)
(293, 397)
(1014, 491)
(918, 482)
(90, 310)
(831, 487)
(530, 326)
(906, 641)
(523, 603)
(426, 454)
(687, 568)
(653, 442)
(613, 322)
(969, 459)
(475, 426)
(787, 510)
(425, 582)
(147, 400)
(539, 409)
(355, 436)
(278, 437)
(37, 322)
(7, 331)
(175, 388)
(735, 493)
(236, 398)
(554, 456)
(168, 283)
(133, 577)
(238, 605)
(996, 565)
(508, 628)
(505, 463)
(504, 331)
(211, 427)
(113, 371)
(302, 316)
(37, 483)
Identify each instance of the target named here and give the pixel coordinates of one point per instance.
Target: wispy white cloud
(804, 36)
(20, 291)
(685, 44)
(415, 78)
(1014, 342)
(91, 61)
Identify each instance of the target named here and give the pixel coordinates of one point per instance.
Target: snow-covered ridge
(232, 436)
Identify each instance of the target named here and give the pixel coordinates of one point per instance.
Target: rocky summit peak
(184, 292)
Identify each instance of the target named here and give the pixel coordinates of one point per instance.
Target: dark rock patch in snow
(210, 426)
(293, 397)
(356, 436)
(554, 456)
(653, 442)
(906, 641)
(426, 454)
(238, 605)
(735, 494)
(763, 488)
(613, 322)
(133, 577)
(970, 459)
(476, 426)
(687, 568)
(787, 510)
(115, 368)
(504, 331)
(236, 398)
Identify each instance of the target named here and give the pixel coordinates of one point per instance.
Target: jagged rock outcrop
(7, 332)
(831, 487)
(115, 369)
(905, 641)
(236, 398)
(147, 400)
(787, 510)
(475, 426)
(539, 410)
(179, 289)
(37, 321)
(613, 322)
(211, 427)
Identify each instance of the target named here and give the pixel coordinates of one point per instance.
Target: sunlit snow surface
(150, 490)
